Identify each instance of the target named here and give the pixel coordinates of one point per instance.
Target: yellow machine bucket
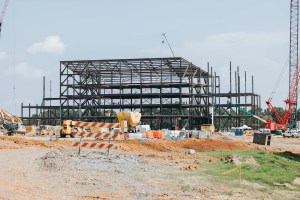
(133, 118)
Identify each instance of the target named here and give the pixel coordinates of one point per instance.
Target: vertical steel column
(131, 85)
(207, 90)
(180, 100)
(60, 94)
(239, 94)
(29, 114)
(245, 87)
(236, 102)
(141, 89)
(160, 96)
(230, 95)
(22, 112)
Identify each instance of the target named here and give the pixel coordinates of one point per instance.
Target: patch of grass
(264, 190)
(228, 193)
(185, 188)
(272, 167)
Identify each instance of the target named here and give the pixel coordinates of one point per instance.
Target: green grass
(272, 167)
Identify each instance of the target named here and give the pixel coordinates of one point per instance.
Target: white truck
(294, 133)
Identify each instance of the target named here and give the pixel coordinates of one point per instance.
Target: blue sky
(37, 34)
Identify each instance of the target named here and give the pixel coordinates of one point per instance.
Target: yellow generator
(207, 127)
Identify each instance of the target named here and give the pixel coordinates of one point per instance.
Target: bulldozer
(10, 124)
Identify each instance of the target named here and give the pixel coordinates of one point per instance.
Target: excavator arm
(10, 123)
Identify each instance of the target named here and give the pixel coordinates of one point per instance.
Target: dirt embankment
(183, 145)
(14, 142)
(143, 146)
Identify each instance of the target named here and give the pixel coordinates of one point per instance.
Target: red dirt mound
(12, 142)
(183, 145)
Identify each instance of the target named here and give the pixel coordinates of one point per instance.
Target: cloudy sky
(37, 34)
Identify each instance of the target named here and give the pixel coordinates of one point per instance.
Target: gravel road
(50, 171)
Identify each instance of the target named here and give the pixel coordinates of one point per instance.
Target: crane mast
(291, 109)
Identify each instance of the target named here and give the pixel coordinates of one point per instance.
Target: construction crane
(3, 13)
(289, 117)
(164, 35)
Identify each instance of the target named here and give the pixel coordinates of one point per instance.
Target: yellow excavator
(128, 121)
(10, 124)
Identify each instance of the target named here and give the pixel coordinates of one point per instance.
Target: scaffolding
(169, 93)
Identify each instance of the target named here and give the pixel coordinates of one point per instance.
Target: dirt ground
(35, 168)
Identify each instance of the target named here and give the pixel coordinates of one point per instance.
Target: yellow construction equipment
(128, 121)
(31, 129)
(66, 128)
(207, 127)
(10, 124)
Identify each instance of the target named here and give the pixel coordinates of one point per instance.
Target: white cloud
(25, 71)
(261, 54)
(52, 44)
(236, 45)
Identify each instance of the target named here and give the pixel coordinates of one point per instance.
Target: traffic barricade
(97, 135)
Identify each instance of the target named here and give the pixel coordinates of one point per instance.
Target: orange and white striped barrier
(95, 135)
(97, 124)
(93, 145)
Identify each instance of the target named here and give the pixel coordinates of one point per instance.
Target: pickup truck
(294, 133)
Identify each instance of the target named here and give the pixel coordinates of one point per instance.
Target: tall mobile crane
(289, 118)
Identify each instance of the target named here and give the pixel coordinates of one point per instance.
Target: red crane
(289, 117)
(3, 13)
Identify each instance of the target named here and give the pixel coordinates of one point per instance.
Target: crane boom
(293, 62)
(246, 111)
(252, 115)
(164, 35)
(3, 13)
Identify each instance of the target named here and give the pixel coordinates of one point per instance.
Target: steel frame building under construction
(169, 92)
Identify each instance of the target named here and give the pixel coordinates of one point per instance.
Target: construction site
(151, 128)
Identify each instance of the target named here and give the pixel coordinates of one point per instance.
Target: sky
(37, 34)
